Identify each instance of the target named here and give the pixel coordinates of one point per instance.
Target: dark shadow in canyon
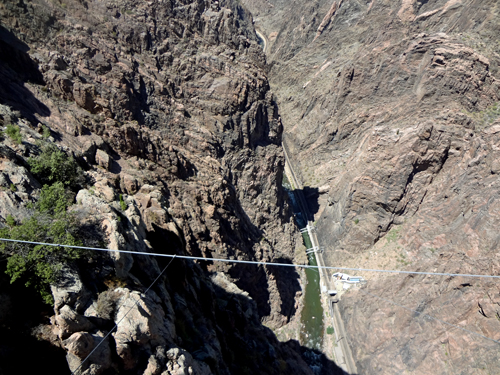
(249, 277)
(246, 345)
(287, 281)
(311, 195)
(307, 202)
(16, 68)
(253, 279)
(234, 328)
(21, 310)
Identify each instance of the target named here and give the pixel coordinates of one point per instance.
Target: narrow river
(311, 333)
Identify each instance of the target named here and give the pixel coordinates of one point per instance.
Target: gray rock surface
(167, 107)
(185, 109)
(393, 107)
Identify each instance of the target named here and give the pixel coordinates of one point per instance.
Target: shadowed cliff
(391, 110)
(166, 108)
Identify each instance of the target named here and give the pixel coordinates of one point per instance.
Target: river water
(311, 332)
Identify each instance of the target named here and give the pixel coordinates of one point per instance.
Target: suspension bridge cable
(429, 316)
(116, 325)
(262, 263)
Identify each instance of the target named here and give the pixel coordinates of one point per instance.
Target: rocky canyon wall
(167, 108)
(391, 112)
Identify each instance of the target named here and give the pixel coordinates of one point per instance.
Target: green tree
(53, 165)
(40, 265)
(54, 199)
(123, 205)
(14, 133)
(10, 220)
(45, 132)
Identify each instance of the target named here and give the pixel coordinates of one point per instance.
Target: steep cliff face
(166, 106)
(391, 113)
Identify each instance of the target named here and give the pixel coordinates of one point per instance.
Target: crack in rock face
(391, 117)
(167, 110)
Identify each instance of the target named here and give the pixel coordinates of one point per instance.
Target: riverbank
(292, 330)
(309, 329)
(332, 343)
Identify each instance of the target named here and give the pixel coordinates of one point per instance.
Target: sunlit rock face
(391, 114)
(167, 108)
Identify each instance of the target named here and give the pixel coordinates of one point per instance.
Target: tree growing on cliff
(53, 165)
(14, 133)
(51, 222)
(54, 199)
(39, 265)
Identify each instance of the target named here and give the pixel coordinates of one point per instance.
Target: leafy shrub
(10, 220)
(14, 133)
(54, 199)
(329, 330)
(45, 132)
(53, 165)
(13, 188)
(123, 205)
(40, 265)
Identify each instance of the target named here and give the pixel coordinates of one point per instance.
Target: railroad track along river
(342, 351)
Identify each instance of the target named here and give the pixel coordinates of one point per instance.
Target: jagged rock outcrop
(166, 106)
(392, 114)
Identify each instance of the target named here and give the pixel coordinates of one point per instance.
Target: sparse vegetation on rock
(53, 165)
(123, 205)
(50, 222)
(39, 265)
(14, 133)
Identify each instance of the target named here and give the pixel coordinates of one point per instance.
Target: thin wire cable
(257, 262)
(116, 325)
(430, 316)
